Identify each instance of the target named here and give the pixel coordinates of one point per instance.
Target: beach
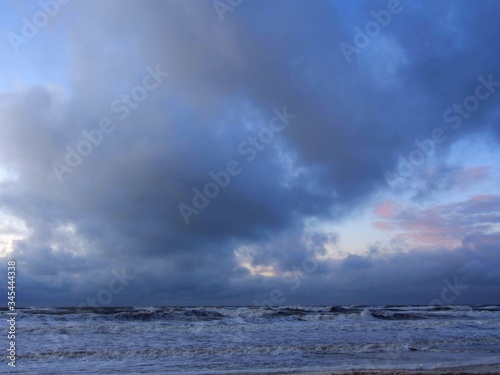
(467, 370)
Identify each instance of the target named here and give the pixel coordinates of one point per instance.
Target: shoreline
(493, 369)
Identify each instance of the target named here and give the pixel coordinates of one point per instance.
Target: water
(204, 340)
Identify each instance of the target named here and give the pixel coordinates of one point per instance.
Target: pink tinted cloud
(469, 176)
(441, 225)
(386, 209)
(383, 225)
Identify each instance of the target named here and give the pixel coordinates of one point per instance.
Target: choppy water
(186, 340)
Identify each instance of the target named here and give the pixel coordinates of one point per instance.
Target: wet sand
(469, 370)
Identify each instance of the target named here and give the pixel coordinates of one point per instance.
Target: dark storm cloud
(413, 277)
(225, 79)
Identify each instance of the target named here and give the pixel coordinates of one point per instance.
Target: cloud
(119, 207)
(441, 224)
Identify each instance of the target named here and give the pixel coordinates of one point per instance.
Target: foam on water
(236, 339)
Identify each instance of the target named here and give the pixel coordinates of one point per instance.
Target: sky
(237, 152)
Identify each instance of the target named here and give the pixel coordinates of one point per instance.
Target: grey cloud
(225, 79)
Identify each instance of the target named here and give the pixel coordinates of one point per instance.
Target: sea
(233, 340)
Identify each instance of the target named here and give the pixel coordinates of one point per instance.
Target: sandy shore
(483, 370)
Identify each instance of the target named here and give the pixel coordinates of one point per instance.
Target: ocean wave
(255, 314)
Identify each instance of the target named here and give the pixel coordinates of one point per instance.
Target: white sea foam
(235, 339)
